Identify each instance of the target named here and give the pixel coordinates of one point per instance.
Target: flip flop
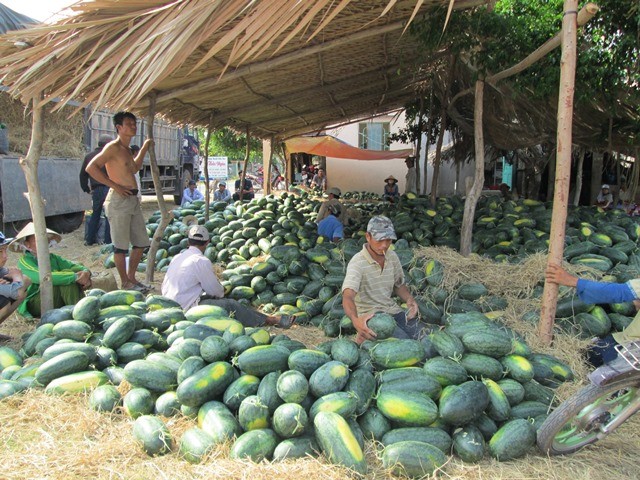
(286, 321)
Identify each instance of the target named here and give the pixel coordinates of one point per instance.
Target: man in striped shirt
(373, 275)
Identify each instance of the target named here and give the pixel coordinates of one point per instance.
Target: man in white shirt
(190, 281)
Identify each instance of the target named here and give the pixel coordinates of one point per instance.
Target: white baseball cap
(604, 186)
(199, 233)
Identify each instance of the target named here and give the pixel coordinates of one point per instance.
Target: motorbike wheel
(577, 422)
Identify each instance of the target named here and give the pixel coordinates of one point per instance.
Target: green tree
(229, 143)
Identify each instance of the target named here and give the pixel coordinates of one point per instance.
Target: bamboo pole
(246, 162)
(428, 141)
(267, 162)
(165, 217)
(207, 187)
(563, 164)
(578, 180)
(478, 180)
(29, 165)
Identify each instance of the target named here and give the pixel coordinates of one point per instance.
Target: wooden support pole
(267, 162)
(437, 160)
(207, 187)
(166, 216)
(563, 165)
(29, 165)
(471, 201)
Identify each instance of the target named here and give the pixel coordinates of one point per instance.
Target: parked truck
(65, 203)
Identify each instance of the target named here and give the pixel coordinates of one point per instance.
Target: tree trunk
(419, 144)
(443, 129)
(166, 217)
(29, 166)
(428, 142)
(563, 173)
(597, 165)
(244, 166)
(578, 182)
(207, 188)
(552, 176)
(478, 181)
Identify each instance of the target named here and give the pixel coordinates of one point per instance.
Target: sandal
(285, 321)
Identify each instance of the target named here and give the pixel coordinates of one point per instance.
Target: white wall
(369, 175)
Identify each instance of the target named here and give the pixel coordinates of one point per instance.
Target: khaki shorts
(126, 221)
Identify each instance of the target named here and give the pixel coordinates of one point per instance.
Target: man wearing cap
(13, 286)
(605, 197)
(69, 279)
(334, 200)
(123, 205)
(98, 193)
(190, 281)
(331, 227)
(191, 194)
(373, 275)
(411, 179)
(222, 194)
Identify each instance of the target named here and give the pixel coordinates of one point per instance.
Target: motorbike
(595, 411)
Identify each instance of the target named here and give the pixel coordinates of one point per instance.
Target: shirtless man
(123, 203)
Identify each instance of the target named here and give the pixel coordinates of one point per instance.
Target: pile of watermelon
(472, 387)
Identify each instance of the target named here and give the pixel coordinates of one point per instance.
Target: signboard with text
(218, 168)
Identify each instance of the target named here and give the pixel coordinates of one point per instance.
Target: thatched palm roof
(278, 67)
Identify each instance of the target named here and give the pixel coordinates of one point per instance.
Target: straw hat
(27, 231)
(391, 177)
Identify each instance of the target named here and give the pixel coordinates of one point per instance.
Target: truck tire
(66, 222)
(186, 176)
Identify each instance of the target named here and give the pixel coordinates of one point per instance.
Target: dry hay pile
(51, 437)
(63, 135)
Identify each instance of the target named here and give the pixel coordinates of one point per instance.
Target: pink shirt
(190, 274)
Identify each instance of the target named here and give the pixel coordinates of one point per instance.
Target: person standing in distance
(123, 205)
(411, 179)
(373, 276)
(98, 193)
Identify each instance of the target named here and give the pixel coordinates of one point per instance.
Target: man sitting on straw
(69, 279)
(13, 286)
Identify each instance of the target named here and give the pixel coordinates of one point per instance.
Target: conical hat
(391, 177)
(27, 231)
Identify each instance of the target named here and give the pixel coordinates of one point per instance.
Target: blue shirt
(9, 290)
(331, 227)
(188, 197)
(602, 292)
(222, 195)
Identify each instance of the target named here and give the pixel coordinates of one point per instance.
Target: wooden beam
(563, 165)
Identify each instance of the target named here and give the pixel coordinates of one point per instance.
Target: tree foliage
(229, 143)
